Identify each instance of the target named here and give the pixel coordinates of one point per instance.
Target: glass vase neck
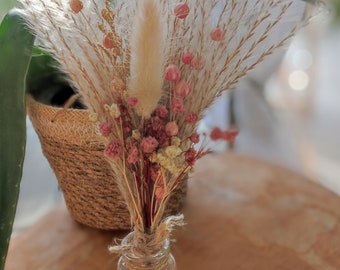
(132, 259)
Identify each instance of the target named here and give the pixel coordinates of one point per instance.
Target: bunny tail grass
(147, 57)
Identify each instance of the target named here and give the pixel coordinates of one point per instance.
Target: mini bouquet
(147, 70)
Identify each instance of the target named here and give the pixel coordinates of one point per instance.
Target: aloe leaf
(15, 53)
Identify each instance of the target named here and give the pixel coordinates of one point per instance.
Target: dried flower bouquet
(147, 70)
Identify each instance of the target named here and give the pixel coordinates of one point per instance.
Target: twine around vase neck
(148, 248)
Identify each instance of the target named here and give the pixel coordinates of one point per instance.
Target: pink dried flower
(149, 144)
(227, 135)
(187, 57)
(181, 10)
(182, 88)
(172, 73)
(197, 63)
(162, 112)
(216, 134)
(132, 101)
(76, 5)
(105, 129)
(133, 155)
(177, 105)
(192, 118)
(230, 135)
(195, 137)
(171, 129)
(216, 34)
(113, 149)
(157, 123)
(108, 42)
(191, 156)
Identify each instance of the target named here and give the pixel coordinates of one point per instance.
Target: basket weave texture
(72, 147)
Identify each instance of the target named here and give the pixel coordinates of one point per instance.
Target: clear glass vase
(159, 260)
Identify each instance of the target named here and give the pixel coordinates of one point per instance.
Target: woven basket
(73, 150)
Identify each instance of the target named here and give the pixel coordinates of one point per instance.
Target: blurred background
(289, 116)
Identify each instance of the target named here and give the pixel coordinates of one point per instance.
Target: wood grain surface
(241, 214)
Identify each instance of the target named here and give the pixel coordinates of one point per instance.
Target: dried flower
(172, 73)
(171, 128)
(182, 88)
(195, 137)
(177, 105)
(132, 101)
(114, 149)
(216, 134)
(181, 10)
(105, 129)
(162, 112)
(187, 57)
(191, 118)
(216, 34)
(230, 135)
(149, 144)
(197, 63)
(175, 141)
(76, 5)
(133, 155)
(191, 156)
(113, 110)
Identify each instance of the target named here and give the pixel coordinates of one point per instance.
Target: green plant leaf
(15, 53)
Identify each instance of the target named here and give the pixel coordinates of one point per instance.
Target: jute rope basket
(73, 150)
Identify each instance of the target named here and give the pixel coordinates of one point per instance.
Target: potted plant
(15, 54)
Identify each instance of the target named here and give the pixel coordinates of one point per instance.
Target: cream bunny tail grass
(147, 57)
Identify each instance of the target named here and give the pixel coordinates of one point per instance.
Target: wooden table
(241, 214)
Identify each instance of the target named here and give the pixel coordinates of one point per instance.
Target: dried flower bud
(175, 141)
(191, 156)
(216, 134)
(108, 42)
(171, 129)
(195, 137)
(76, 5)
(113, 110)
(133, 155)
(113, 149)
(197, 63)
(216, 34)
(149, 144)
(181, 10)
(182, 88)
(230, 135)
(177, 105)
(136, 134)
(192, 118)
(187, 57)
(172, 73)
(132, 101)
(105, 129)
(162, 112)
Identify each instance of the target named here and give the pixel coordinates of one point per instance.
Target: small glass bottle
(161, 260)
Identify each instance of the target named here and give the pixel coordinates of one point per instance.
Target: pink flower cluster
(226, 135)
